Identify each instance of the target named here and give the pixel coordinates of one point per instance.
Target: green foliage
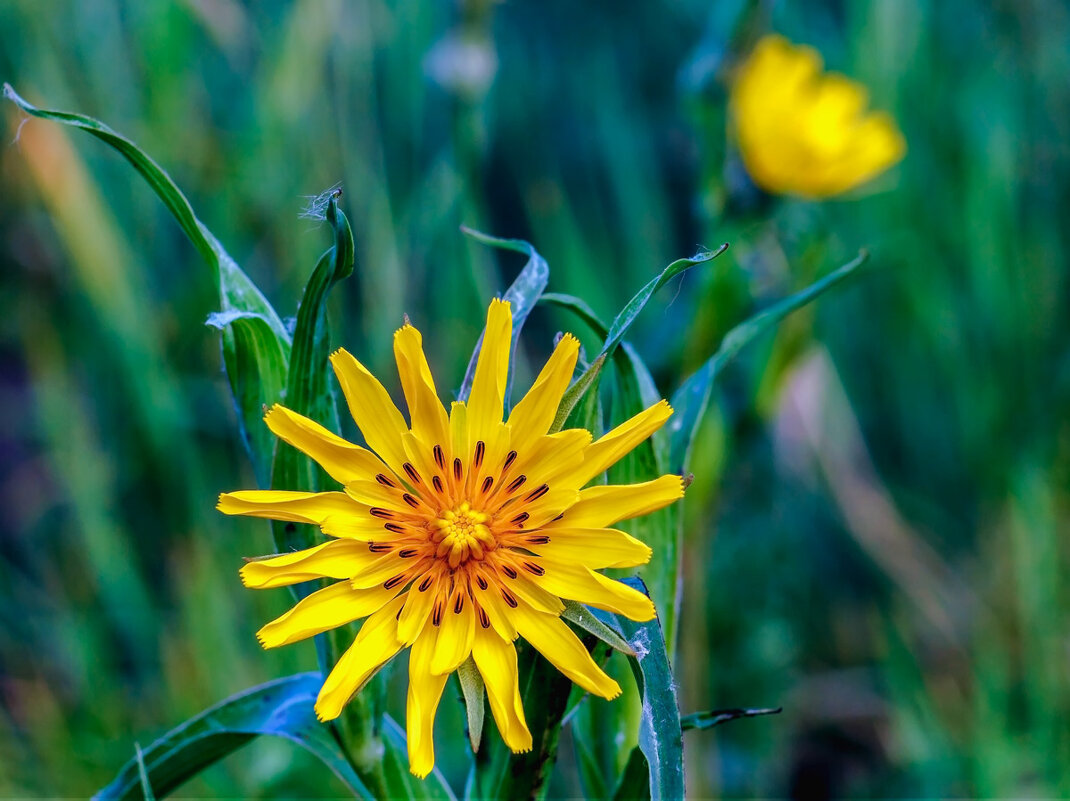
(279, 708)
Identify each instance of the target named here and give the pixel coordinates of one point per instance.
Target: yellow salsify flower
(801, 131)
(457, 533)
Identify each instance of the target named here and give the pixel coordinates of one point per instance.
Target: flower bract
(455, 533)
(802, 131)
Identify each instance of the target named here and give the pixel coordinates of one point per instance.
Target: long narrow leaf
(660, 734)
(691, 399)
(281, 708)
(522, 294)
(247, 354)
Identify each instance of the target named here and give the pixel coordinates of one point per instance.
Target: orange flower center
(461, 535)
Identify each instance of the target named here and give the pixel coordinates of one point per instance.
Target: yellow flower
(457, 533)
(804, 132)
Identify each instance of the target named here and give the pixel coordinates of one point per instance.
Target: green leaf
(691, 399)
(621, 324)
(581, 616)
(715, 717)
(634, 782)
(660, 734)
(280, 708)
(143, 774)
(307, 389)
(473, 688)
(522, 294)
(254, 359)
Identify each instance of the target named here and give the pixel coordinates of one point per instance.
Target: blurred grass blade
(660, 736)
(433, 788)
(619, 327)
(473, 688)
(580, 308)
(280, 708)
(634, 782)
(522, 294)
(691, 399)
(143, 775)
(237, 293)
(715, 717)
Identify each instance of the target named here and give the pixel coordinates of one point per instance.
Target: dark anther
(458, 605)
(410, 471)
(482, 582)
(488, 482)
(518, 482)
(386, 482)
(520, 518)
(533, 568)
(397, 529)
(379, 547)
(440, 458)
(558, 517)
(484, 621)
(538, 493)
(425, 585)
(539, 540)
(436, 615)
(458, 469)
(391, 583)
(509, 571)
(408, 553)
(480, 449)
(384, 514)
(509, 459)
(509, 599)
(411, 501)
(436, 482)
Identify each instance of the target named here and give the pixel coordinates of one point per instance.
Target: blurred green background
(876, 536)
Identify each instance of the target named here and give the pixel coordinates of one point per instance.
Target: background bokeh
(876, 536)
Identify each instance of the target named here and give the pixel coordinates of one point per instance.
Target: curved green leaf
(522, 294)
(619, 327)
(473, 689)
(280, 708)
(660, 734)
(246, 355)
(693, 396)
(402, 783)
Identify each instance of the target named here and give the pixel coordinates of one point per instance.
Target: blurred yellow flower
(459, 533)
(801, 131)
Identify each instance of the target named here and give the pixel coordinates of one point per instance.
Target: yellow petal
(592, 547)
(334, 559)
(496, 660)
(460, 441)
(375, 643)
(428, 416)
(425, 691)
(544, 509)
(454, 642)
(618, 443)
(554, 640)
(529, 591)
(551, 457)
(598, 507)
(421, 597)
(375, 496)
(373, 411)
(486, 589)
(364, 527)
(296, 507)
(486, 404)
(532, 417)
(342, 460)
(324, 609)
(387, 568)
(584, 585)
